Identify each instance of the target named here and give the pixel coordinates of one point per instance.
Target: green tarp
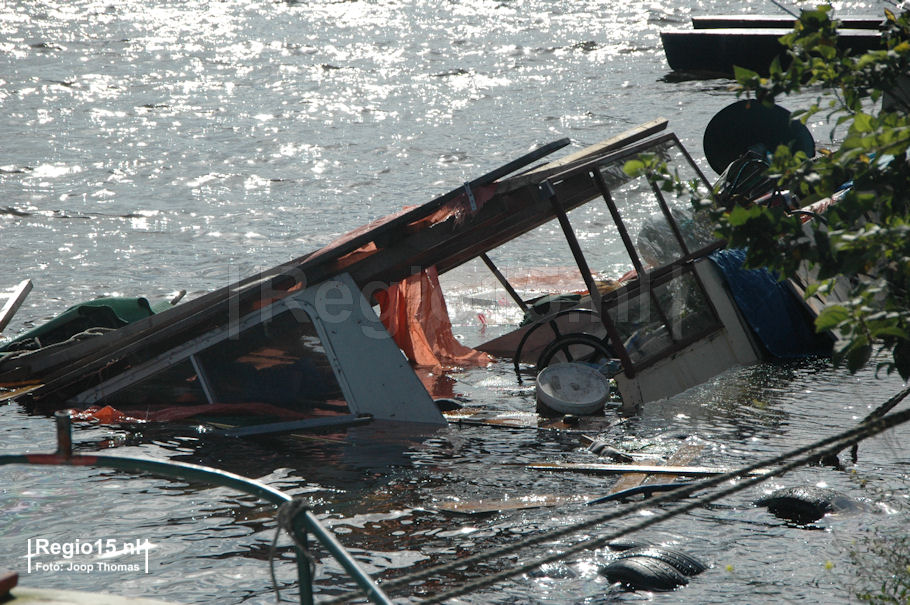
(114, 312)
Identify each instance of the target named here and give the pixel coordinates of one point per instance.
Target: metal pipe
(502, 280)
(331, 543)
(64, 434)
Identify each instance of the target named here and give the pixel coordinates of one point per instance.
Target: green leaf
(775, 68)
(811, 289)
(634, 168)
(889, 331)
(739, 215)
(744, 75)
(862, 122)
(858, 355)
(831, 317)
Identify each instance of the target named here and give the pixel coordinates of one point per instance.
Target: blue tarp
(771, 308)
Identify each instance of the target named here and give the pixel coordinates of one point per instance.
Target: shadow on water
(380, 495)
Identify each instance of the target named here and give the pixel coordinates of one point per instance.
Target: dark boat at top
(717, 43)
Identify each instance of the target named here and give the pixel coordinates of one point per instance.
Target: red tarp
(414, 313)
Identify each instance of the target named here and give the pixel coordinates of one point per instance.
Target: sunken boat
(330, 339)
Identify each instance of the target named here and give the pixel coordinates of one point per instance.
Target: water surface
(154, 147)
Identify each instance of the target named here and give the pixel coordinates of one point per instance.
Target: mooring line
(807, 453)
(593, 543)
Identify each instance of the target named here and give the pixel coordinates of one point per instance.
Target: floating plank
(681, 457)
(657, 469)
(8, 395)
(15, 300)
(530, 420)
(484, 506)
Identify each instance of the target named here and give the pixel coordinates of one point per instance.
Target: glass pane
(277, 369)
(279, 362)
(653, 239)
(695, 227)
(640, 326)
(685, 306)
(655, 243)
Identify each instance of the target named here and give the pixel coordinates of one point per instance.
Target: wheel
(550, 321)
(574, 347)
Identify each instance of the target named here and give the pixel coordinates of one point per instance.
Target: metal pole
(547, 189)
(304, 577)
(502, 280)
(328, 540)
(64, 434)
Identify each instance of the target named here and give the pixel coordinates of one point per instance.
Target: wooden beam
(13, 302)
(536, 175)
(501, 505)
(694, 471)
(681, 457)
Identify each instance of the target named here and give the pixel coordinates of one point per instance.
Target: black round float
(745, 124)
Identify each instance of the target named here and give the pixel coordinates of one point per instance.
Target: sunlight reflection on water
(166, 146)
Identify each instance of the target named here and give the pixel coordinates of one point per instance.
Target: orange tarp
(414, 313)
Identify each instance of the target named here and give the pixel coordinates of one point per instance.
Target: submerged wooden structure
(301, 342)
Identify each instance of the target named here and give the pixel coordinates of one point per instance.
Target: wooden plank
(681, 457)
(694, 471)
(482, 507)
(633, 135)
(15, 300)
(531, 420)
(8, 395)
(631, 480)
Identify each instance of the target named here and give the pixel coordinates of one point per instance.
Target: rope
(19, 354)
(287, 512)
(808, 453)
(878, 413)
(698, 503)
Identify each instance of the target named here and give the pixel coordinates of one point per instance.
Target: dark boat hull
(775, 21)
(717, 50)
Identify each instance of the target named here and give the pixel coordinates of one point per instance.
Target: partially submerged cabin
(304, 343)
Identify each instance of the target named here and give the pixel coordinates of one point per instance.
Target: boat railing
(300, 522)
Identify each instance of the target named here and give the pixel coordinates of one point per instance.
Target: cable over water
(799, 456)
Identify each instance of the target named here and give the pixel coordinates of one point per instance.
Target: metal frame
(303, 523)
(648, 280)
